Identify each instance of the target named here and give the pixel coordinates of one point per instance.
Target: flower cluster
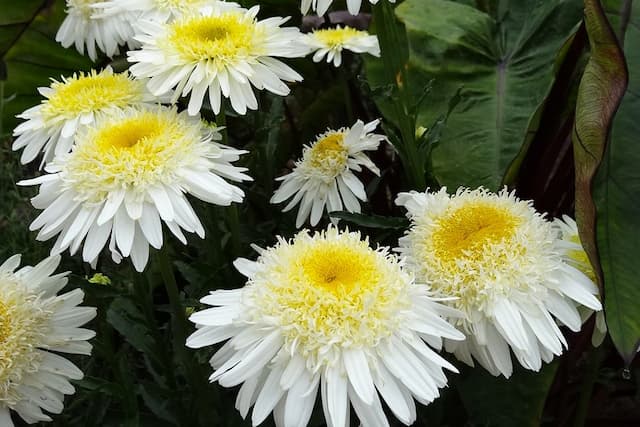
(478, 274)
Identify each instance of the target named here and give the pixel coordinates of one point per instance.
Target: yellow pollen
(335, 268)
(336, 37)
(465, 232)
(129, 133)
(328, 155)
(89, 93)
(222, 39)
(5, 325)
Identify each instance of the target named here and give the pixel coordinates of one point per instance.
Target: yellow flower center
(223, 39)
(131, 152)
(23, 324)
(466, 231)
(328, 155)
(83, 6)
(329, 290)
(90, 93)
(338, 269)
(337, 37)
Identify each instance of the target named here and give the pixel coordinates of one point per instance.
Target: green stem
(232, 217)
(394, 64)
(595, 359)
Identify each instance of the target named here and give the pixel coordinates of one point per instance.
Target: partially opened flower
(128, 174)
(321, 6)
(86, 31)
(222, 51)
(331, 42)
(157, 10)
(35, 325)
(503, 263)
(574, 254)
(324, 177)
(326, 311)
(75, 101)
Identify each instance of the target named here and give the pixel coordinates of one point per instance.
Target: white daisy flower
(326, 311)
(503, 263)
(330, 43)
(321, 6)
(157, 10)
(223, 51)
(35, 325)
(324, 177)
(82, 28)
(71, 103)
(128, 174)
(574, 254)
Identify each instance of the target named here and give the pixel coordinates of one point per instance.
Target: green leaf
(498, 401)
(503, 61)
(617, 192)
(372, 221)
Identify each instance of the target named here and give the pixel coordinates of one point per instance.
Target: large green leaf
(617, 193)
(503, 58)
(30, 56)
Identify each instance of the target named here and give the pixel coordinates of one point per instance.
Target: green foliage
(501, 57)
(617, 188)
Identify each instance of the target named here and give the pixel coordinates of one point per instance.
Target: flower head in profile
(502, 262)
(35, 325)
(331, 42)
(128, 174)
(74, 102)
(222, 51)
(321, 6)
(325, 311)
(574, 254)
(86, 31)
(157, 10)
(324, 177)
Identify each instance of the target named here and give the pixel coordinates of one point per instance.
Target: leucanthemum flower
(574, 254)
(157, 10)
(83, 29)
(324, 177)
(74, 102)
(330, 43)
(128, 174)
(223, 51)
(321, 6)
(503, 263)
(326, 311)
(35, 325)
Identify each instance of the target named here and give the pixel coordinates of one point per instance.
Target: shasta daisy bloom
(222, 51)
(326, 311)
(321, 6)
(324, 177)
(128, 174)
(503, 263)
(82, 28)
(574, 254)
(35, 325)
(75, 101)
(332, 41)
(157, 10)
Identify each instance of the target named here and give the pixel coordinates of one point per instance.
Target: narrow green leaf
(372, 221)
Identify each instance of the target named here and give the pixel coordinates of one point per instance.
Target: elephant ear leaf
(30, 56)
(617, 183)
